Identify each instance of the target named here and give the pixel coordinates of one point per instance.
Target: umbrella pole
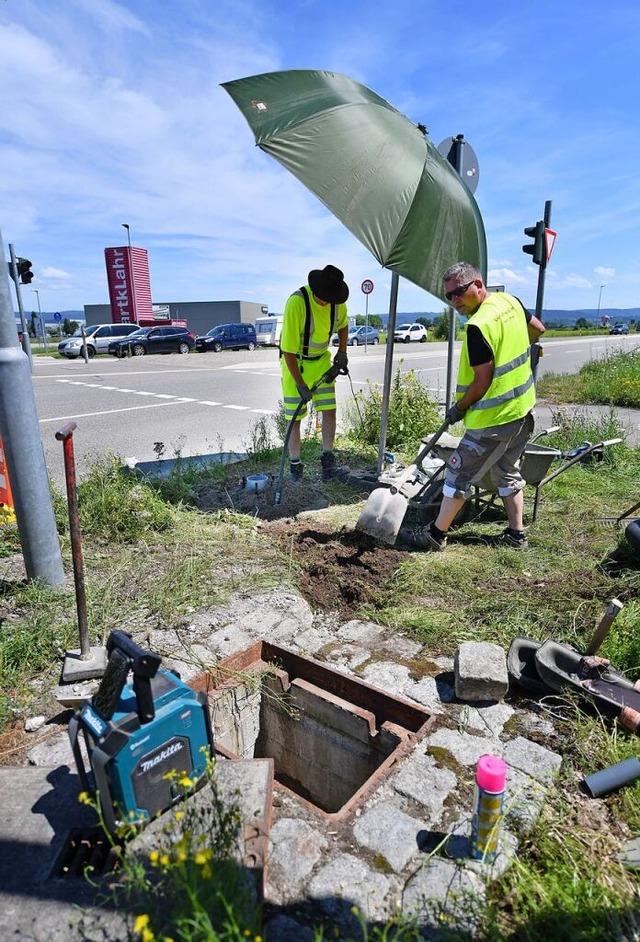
(388, 363)
(452, 336)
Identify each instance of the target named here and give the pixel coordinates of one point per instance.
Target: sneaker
(295, 469)
(330, 470)
(423, 538)
(514, 538)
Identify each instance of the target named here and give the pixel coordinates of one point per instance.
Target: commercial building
(199, 316)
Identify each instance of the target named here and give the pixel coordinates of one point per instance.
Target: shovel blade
(382, 515)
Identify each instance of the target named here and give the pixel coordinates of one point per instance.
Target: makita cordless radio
(142, 738)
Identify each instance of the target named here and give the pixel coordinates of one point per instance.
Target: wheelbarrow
(536, 462)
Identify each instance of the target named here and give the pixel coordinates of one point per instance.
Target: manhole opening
(332, 738)
(87, 851)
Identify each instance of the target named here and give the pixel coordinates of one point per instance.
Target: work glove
(304, 392)
(454, 414)
(341, 360)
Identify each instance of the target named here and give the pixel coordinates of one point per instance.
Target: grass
(613, 380)
(150, 561)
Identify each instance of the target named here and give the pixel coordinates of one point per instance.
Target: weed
(412, 413)
(612, 380)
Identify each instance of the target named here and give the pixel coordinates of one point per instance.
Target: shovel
(384, 510)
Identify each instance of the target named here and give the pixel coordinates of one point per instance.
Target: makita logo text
(171, 750)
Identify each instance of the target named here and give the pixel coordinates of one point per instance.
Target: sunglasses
(459, 291)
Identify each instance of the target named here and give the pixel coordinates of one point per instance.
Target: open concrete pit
(333, 739)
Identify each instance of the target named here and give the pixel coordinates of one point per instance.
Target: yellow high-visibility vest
(512, 393)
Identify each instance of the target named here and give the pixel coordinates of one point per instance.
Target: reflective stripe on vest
(511, 394)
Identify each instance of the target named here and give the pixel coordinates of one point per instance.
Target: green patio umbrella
(371, 166)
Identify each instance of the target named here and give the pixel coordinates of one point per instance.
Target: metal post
(26, 342)
(366, 319)
(42, 327)
(450, 342)
(20, 432)
(535, 346)
(125, 225)
(599, 300)
(388, 362)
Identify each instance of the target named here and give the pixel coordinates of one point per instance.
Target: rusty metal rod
(65, 435)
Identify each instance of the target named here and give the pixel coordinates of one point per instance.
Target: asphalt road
(204, 403)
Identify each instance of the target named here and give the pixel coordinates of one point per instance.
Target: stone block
(480, 671)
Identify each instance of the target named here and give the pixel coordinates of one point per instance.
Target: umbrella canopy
(371, 166)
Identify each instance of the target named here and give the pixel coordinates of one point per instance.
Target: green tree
(69, 327)
(582, 323)
(375, 321)
(440, 328)
(425, 321)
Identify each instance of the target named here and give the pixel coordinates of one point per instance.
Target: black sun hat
(329, 285)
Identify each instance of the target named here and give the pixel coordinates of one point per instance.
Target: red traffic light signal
(538, 248)
(24, 271)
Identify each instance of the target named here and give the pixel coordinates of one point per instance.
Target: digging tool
(611, 612)
(85, 662)
(329, 377)
(383, 513)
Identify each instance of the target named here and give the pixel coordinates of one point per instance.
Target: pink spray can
(491, 777)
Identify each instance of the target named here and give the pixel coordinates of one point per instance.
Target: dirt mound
(340, 569)
(295, 498)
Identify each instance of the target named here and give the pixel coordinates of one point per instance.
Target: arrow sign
(550, 239)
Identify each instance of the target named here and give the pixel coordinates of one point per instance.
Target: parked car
(358, 335)
(99, 336)
(619, 329)
(154, 340)
(405, 333)
(227, 337)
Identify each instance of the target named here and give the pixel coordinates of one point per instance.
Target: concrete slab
(76, 668)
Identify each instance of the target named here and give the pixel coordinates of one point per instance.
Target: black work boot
(296, 468)
(330, 470)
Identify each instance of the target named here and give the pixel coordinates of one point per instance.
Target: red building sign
(129, 284)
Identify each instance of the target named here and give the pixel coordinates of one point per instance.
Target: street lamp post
(599, 300)
(125, 225)
(36, 291)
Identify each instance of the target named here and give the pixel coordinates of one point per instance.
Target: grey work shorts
(489, 457)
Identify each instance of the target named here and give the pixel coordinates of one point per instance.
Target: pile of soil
(294, 499)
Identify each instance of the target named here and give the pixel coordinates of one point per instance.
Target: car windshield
(404, 327)
(88, 330)
(140, 332)
(213, 332)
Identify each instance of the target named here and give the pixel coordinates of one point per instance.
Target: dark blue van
(227, 337)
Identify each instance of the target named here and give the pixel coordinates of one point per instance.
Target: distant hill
(549, 316)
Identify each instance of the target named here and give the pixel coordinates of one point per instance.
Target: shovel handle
(422, 454)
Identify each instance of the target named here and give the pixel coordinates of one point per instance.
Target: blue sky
(113, 112)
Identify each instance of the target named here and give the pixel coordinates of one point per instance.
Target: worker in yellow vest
(311, 316)
(495, 396)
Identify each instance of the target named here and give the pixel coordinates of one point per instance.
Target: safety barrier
(7, 513)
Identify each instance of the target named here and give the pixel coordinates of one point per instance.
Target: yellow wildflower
(84, 798)
(179, 815)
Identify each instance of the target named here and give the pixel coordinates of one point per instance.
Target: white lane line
(88, 415)
(265, 411)
(238, 408)
(205, 402)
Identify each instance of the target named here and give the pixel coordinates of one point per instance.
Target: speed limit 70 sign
(367, 286)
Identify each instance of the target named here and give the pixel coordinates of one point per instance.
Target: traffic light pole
(20, 432)
(26, 342)
(543, 264)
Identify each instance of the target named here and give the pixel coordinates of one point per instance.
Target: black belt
(313, 358)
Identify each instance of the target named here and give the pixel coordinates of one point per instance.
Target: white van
(268, 330)
(99, 336)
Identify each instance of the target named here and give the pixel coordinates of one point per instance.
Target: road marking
(88, 415)
(175, 400)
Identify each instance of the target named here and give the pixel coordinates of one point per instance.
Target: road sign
(57, 317)
(550, 237)
(462, 158)
(367, 286)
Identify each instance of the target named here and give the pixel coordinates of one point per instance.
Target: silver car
(99, 336)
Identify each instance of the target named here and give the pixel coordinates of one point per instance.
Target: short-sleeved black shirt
(479, 350)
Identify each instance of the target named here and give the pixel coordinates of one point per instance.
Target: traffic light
(538, 248)
(24, 271)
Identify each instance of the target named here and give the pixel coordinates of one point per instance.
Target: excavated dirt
(339, 569)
